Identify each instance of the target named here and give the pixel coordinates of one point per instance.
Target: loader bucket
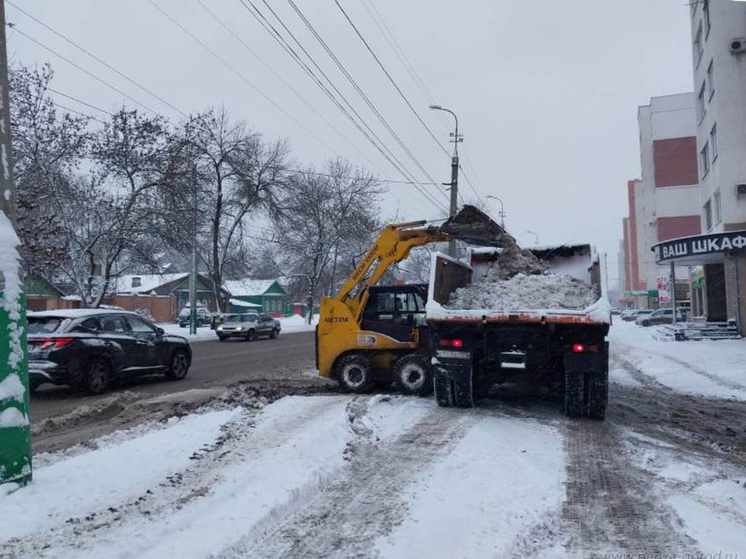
(475, 227)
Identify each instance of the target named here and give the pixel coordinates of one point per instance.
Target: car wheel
(646, 323)
(251, 336)
(179, 366)
(221, 338)
(273, 334)
(97, 376)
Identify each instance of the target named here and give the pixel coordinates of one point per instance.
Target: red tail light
(451, 343)
(582, 348)
(57, 343)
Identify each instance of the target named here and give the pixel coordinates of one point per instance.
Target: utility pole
(15, 433)
(193, 274)
(456, 138)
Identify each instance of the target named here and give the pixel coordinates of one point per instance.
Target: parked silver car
(661, 316)
(248, 326)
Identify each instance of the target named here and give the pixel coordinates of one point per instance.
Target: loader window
(399, 307)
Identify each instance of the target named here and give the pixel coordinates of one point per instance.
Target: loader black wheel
(414, 375)
(355, 373)
(574, 392)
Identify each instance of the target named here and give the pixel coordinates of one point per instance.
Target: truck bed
(447, 274)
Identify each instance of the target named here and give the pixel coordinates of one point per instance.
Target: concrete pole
(193, 274)
(15, 434)
(454, 198)
(672, 289)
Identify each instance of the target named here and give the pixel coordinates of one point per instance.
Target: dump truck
(560, 349)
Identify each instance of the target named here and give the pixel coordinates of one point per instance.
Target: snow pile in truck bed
(524, 292)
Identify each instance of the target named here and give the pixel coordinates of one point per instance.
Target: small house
(265, 296)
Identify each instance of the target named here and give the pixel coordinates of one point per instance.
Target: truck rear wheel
(355, 373)
(414, 375)
(453, 388)
(574, 391)
(597, 393)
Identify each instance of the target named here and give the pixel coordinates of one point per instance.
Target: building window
(136, 281)
(706, 14)
(718, 206)
(704, 159)
(701, 107)
(698, 45)
(714, 142)
(708, 214)
(710, 80)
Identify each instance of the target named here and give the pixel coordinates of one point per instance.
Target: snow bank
(715, 369)
(524, 292)
(93, 481)
(297, 323)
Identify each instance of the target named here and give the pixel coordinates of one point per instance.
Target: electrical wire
(390, 78)
(359, 90)
(357, 87)
(88, 73)
(239, 75)
(279, 77)
(96, 58)
(408, 66)
(370, 135)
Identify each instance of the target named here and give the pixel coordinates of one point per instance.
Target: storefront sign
(688, 247)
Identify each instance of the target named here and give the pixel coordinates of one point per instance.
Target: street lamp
(502, 210)
(535, 235)
(454, 173)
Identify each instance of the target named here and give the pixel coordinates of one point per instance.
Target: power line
(272, 30)
(96, 58)
(239, 74)
(279, 77)
(72, 98)
(391, 79)
(408, 66)
(369, 134)
(76, 112)
(95, 77)
(360, 91)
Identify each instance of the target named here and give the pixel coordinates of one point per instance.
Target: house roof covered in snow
(248, 286)
(144, 283)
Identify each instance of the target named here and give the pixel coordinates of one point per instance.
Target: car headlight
(220, 328)
(239, 328)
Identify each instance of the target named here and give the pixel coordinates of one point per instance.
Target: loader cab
(396, 311)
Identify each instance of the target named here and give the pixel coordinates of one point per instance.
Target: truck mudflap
(587, 383)
(453, 379)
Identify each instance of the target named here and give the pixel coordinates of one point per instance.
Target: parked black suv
(91, 348)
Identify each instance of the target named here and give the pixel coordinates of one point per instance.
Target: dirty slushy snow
(524, 292)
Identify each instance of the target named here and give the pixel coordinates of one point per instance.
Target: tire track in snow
(611, 505)
(360, 503)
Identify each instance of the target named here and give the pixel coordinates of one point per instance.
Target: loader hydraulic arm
(393, 245)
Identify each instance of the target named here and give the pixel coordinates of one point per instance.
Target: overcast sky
(546, 92)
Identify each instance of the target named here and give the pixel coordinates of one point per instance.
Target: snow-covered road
(395, 477)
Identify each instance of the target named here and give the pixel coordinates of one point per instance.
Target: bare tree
(238, 174)
(325, 220)
(48, 147)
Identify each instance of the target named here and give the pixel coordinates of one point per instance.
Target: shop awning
(700, 249)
